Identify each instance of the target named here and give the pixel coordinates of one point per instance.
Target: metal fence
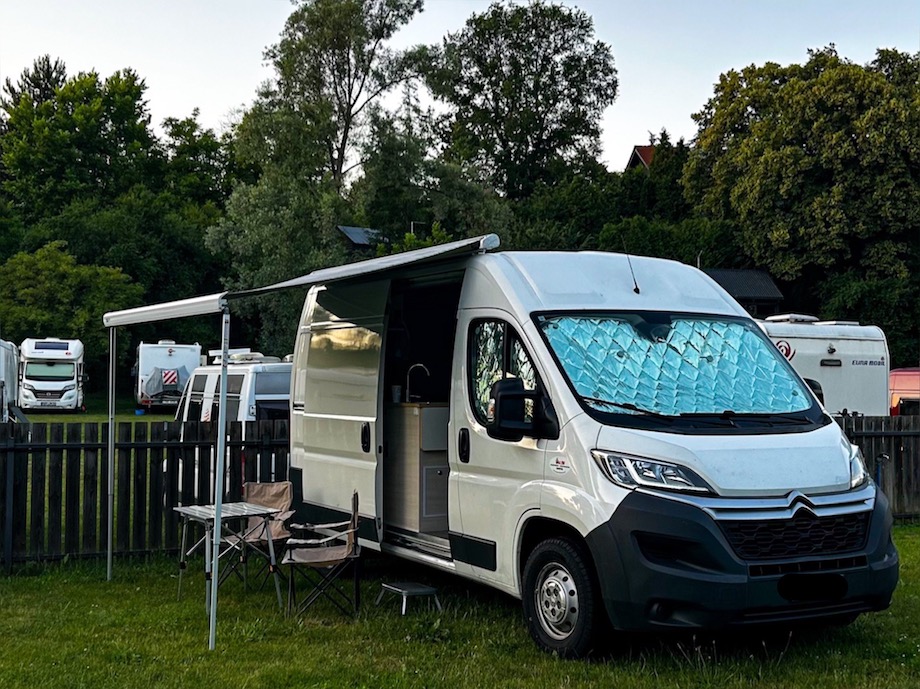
(54, 501)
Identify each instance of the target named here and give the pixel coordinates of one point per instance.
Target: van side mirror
(507, 414)
(815, 388)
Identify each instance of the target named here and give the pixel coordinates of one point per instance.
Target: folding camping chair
(321, 561)
(258, 531)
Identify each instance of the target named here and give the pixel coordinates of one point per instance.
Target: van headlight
(68, 388)
(631, 472)
(858, 473)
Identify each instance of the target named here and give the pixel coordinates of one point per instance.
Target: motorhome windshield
(653, 369)
(50, 370)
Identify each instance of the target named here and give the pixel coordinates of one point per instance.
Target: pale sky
(208, 53)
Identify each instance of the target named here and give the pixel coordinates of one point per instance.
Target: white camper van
(849, 361)
(51, 374)
(9, 379)
(258, 389)
(604, 437)
(161, 372)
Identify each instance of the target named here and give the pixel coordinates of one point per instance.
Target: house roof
(641, 155)
(359, 236)
(743, 284)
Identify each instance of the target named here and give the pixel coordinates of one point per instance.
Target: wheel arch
(538, 529)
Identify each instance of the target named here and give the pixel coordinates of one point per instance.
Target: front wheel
(559, 598)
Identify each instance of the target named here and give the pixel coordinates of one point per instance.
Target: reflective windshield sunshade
(673, 364)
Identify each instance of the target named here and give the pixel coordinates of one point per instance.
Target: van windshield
(648, 369)
(49, 370)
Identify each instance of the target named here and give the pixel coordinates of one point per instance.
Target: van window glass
(673, 365)
(194, 411)
(497, 352)
(273, 383)
(198, 383)
(233, 409)
(234, 384)
(50, 370)
(272, 410)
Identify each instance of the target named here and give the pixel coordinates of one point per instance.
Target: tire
(560, 598)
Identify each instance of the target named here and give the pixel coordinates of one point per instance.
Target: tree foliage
(526, 86)
(48, 294)
(91, 140)
(332, 63)
(819, 165)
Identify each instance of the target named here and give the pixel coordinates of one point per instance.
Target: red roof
(641, 155)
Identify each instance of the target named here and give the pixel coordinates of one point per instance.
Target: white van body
(257, 390)
(9, 378)
(51, 374)
(850, 361)
(519, 454)
(161, 371)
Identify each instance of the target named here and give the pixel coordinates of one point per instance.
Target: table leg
(183, 556)
(207, 569)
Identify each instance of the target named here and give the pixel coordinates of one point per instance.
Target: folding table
(231, 513)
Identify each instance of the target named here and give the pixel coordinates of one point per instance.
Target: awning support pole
(111, 453)
(219, 473)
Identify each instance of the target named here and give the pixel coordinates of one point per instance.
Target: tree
(819, 165)
(525, 86)
(92, 140)
(332, 63)
(38, 83)
(48, 294)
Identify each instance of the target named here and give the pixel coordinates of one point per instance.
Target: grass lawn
(65, 626)
(97, 411)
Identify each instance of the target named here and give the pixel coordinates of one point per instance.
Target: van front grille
(803, 535)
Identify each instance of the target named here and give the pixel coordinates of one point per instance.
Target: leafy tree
(332, 63)
(526, 86)
(38, 83)
(199, 169)
(819, 165)
(48, 294)
(90, 141)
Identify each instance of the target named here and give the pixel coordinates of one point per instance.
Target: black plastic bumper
(665, 564)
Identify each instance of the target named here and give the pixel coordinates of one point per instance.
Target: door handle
(463, 445)
(366, 436)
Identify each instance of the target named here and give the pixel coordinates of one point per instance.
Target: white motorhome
(161, 372)
(51, 374)
(849, 361)
(258, 389)
(604, 437)
(9, 379)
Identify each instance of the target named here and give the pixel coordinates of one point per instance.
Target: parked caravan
(258, 389)
(9, 379)
(51, 374)
(905, 391)
(605, 437)
(161, 372)
(849, 361)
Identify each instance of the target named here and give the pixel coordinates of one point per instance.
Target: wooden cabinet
(415, 467)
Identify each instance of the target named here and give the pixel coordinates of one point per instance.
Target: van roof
(583, 280)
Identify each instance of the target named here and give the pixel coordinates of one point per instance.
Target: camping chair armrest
(314, 527)
(295, 543)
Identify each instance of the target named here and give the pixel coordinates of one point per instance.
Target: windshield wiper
(627, 405)
(768, 418)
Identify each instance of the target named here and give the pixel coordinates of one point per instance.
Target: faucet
(411, 368)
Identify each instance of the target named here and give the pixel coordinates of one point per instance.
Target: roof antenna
(629, 262)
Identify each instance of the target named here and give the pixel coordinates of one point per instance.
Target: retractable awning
(220, 303)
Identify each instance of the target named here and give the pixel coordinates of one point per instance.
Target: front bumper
(666, 564)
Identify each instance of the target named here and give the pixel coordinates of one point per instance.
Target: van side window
(496, 352)
(198, 383)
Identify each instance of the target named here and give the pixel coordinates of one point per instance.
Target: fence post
(8, 505)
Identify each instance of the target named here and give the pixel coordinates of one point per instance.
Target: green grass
(64, 626)
(97, 411)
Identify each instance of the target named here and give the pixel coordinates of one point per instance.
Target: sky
(208, 54)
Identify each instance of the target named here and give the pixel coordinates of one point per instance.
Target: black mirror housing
(506, 419)
(815, 388)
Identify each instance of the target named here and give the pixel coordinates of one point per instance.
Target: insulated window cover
(687, 365)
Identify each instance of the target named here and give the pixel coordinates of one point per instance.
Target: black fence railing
(54, 477)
